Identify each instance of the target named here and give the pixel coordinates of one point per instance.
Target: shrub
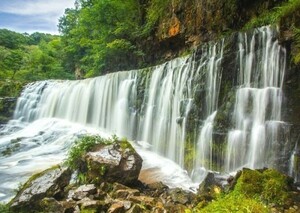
(84, 145)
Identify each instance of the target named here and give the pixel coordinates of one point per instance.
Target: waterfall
(172, 107)
(257, 111)
(204, 142)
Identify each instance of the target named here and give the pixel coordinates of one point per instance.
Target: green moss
(124, 144)
(88, 211)
(234, 203)
(296, 53)
(250, 183)
(35, 176)
(275, 187)
(269, 186)
(275, 15)
(102, 170)
(155, 12)
(189, 152)
(254, 191)
(82, 146)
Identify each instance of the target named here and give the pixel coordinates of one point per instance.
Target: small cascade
(257, 113)
(213, 81)
(168, 90)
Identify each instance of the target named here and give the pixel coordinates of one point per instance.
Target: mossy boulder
(46, 184)
(264, 190)
(117, 162)
(268, 185)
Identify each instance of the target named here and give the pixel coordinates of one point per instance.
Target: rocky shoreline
(106, 179)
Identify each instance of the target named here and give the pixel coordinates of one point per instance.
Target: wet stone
(46, 184)
(117, 207)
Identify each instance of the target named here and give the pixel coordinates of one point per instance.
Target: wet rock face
(117, 162)
(7, 106)
(46, 184)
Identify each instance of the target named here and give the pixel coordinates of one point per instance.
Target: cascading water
(162, 106)
(212, 68)
(257, 113)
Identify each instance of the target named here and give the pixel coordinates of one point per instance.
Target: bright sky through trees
(32, 15)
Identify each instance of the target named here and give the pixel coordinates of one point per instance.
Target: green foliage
(155, 12)
(82, 146)
(253, 192)
(275, 15)
(234, 203)
(4, 208)
(100, 36)
(250, 183)
(12, 40)
(296, 55)
(270, 186)
(275, 187)
(25, 57)
(10, 88)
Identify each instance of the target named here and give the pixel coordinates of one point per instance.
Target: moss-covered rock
(255, 191)
(46, 184)
(117, 162)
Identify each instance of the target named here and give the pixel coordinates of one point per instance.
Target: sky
(32, 15)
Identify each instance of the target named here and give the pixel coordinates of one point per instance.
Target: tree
(11, 40)
(98, 34)
(13, 62)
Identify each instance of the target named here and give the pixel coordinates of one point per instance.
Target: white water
(45, 142)
(257, 113)
(204, 143)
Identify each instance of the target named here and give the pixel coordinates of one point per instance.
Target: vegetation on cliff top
(275, 15)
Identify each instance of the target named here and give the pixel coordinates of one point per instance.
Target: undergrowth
(84, 145)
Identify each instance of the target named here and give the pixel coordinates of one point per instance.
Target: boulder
(117, 162)
(180, 196)
(49, 183)
(82, 192)
(208, 184)
(51, 205)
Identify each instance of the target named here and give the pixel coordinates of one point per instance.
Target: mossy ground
(254, 191)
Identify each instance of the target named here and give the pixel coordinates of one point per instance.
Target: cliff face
(186, 24)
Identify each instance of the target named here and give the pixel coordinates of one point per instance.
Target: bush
(84, 145)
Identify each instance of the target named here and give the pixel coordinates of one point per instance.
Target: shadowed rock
(45, 184)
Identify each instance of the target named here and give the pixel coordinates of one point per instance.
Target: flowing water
(156, 107)
(257, 113)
